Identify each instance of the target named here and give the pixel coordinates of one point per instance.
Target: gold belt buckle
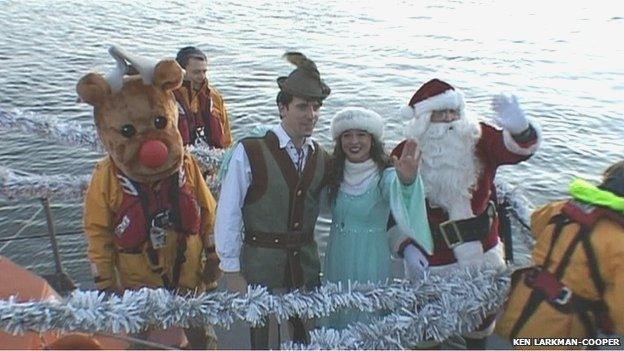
(445, 234)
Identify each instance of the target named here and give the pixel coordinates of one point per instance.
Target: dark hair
(377, 154)
(613, 179)
(283, 98)
(187, 53)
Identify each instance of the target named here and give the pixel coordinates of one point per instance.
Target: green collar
(584, 191)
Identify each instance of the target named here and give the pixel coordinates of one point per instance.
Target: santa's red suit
(460, 157)
(492, 153)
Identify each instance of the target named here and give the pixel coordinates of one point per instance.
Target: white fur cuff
(513, 146)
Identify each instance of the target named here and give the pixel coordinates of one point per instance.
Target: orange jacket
(114, 269)
(607, 240)
(195, 102)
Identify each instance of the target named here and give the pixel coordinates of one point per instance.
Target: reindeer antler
(143, 65)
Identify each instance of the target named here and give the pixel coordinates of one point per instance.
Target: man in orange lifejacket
(202, 111)
(576, 287)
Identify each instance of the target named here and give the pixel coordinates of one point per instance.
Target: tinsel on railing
(455, 304)
(72, 133)
(18, 185)
(64, 132)
(519, 204)
(441, 305)
(208, 157)
(520, 208)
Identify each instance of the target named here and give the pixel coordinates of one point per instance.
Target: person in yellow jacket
(148, 214)
(576, 287)
(120, 262)
(203, 113)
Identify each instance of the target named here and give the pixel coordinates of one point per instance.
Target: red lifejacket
(173, 204)
(587, 215)
(190, 123)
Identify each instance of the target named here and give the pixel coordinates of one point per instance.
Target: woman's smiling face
(356, 144)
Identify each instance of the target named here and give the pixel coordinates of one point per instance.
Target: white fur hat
(431, 96)
(357, 118)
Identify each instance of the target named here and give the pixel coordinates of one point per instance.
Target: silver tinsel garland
(18, 185)
(447, 305)
(441, 305)
(65, 132)
(208, 157)
(72, 133)
(520, 205)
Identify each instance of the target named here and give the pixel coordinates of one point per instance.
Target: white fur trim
(450, 99)
(407, 113)
(357, 118)
(514, 147)
(396, 237)
(144, 66)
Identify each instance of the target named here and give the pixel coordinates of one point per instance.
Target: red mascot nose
(153, 154)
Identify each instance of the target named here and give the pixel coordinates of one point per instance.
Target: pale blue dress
(358, 248)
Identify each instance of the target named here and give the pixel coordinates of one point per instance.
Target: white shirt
(229, 221)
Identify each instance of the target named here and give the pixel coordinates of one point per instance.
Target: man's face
(300, 116)
(444, 116)
(196, 70)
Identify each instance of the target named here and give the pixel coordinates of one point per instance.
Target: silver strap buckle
(451, 226)
(564, 296)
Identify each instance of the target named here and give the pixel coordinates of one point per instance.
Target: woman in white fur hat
(363, 190)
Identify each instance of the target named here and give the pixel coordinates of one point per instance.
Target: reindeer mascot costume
(148, 213)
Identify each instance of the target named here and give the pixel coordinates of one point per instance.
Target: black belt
(454, 233)
(291, 242)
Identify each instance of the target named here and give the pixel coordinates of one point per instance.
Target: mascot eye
(160, 122)
(128, 130)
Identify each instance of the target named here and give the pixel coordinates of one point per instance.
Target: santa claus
(460, 157)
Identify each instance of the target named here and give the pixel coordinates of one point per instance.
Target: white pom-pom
(407, 112)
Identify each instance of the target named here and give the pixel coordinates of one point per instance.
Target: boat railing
(59, 280)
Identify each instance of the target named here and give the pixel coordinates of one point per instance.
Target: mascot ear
(93, 89)
(168, 75)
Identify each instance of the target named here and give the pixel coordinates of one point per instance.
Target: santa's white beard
(450, 167)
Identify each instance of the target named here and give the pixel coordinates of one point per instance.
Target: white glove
(470, 253)
(415, 263)
(509, 115)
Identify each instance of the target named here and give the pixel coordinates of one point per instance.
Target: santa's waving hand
(509, 115)
(407, 165)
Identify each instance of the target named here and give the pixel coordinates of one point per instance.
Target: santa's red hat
(431, 96)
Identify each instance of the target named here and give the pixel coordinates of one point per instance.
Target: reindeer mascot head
(136, 116)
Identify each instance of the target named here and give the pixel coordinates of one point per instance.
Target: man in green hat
(272, 190)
